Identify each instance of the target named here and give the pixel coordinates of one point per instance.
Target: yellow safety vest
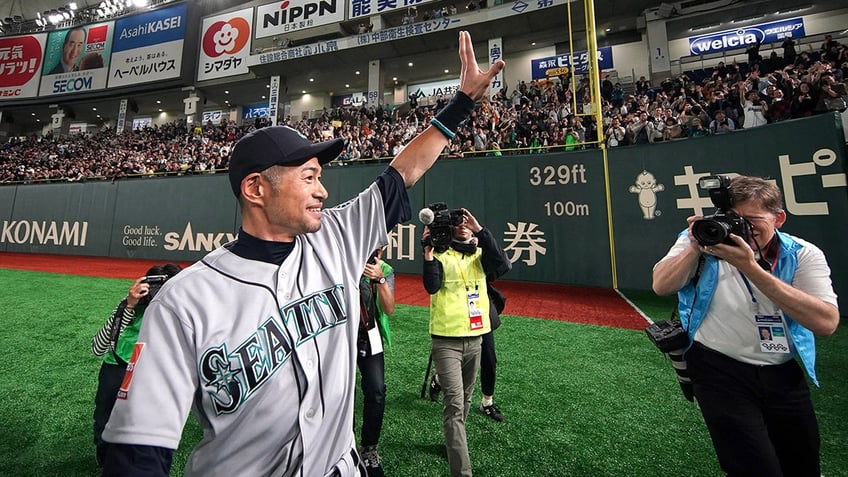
(449, 312)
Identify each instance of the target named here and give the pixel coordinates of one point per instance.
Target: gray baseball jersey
(263, 354)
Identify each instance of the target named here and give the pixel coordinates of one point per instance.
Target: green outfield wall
(555, 214)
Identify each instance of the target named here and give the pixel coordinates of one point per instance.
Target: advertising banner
(366, 8)
(148, 47)
(273, 98)
(122, 117)
(561, 64)
(77, 60)
(59, 218)
(141, 123)
(547, 211)
(152, 228)
(445, 88)
(212, 117)
(742, 37)
(20, 64)
(348, 100)
(280, 18)
(224, 45)
(255, 111)
(495, 54)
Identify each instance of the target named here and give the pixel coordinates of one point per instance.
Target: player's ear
(252, 187)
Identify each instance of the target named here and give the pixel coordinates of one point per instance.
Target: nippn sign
(279, 18)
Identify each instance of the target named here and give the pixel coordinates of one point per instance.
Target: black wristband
(447, 120)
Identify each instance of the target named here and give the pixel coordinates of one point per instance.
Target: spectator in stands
(617, 96)
(753, 52)
(780, 108)
(828, 46)
(697, 129)
(804, 101)
(672, 129)
(754, 107)
(642, 86)
(789, 54)
(616, 133)
(832, 96)
(637, 129)
(606, 88)
(720, 70)
(721, 124)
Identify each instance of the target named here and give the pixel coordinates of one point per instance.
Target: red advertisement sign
(20, 64)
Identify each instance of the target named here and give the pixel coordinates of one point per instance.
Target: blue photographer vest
(702, 295)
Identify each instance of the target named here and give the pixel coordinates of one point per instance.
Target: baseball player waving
(259, 337)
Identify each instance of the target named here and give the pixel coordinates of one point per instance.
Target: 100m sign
(566, 209)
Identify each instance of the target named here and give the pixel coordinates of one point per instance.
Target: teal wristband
(444, 129)
(457, 110)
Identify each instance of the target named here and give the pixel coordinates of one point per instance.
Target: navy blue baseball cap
(276, 146)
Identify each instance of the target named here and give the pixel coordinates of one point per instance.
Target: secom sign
(742, 37)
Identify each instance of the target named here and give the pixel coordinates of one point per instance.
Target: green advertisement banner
(67, 219)
(7, 202)
(173, 218)
(547, 211)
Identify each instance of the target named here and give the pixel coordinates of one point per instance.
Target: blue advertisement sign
(158, 26)
(255, 111)
(744, 36)
(148, 47)
(560, 64)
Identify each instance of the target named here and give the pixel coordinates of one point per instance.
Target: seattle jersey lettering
(236, 375)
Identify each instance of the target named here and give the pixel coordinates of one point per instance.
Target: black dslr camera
(667, 335)
(717, 228)
(671, 338)
(440, 219)
(155, 283)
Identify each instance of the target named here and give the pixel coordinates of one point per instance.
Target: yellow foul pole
(595, 86)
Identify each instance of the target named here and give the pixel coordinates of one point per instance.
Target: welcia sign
(743, 37)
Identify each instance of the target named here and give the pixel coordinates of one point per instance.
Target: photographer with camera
(735, 272)
(115, 342)
(459, 256)
(377, 302)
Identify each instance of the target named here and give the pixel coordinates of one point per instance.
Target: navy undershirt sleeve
(395, 198)
(126, 460)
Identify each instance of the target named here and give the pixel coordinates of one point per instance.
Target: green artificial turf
(579, 400)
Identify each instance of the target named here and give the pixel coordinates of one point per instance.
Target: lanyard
(462, 272)
(750, 290)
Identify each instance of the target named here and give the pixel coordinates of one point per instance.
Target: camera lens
(709, 232)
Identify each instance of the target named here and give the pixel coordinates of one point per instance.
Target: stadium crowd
(533, 117)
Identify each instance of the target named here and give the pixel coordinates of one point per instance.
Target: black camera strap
(768, 259)
(115, 332)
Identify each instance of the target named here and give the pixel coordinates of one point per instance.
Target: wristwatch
(382, 280)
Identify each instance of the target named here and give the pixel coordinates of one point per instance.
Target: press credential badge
(772, 334)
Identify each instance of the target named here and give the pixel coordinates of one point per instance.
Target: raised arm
(422, 152)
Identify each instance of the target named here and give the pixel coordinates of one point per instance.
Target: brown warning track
(597, 306)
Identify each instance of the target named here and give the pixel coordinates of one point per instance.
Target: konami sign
(743, 37)
(281, 18)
